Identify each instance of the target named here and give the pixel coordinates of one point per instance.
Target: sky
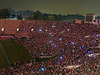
(63, 7)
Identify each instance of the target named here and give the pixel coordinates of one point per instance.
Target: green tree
(45, 16)
(19, 17)
(36, 16)
(4, 13)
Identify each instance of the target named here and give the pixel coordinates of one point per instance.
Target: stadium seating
(67, 42)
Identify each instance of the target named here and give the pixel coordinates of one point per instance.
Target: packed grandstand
(73, 48)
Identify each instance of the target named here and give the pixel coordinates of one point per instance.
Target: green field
(14, 51)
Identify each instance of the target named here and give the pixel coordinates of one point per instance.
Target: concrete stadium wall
(10, 26)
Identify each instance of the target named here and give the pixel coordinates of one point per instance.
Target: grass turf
(14, 51)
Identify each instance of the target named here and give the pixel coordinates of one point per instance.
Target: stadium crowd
(67, 43)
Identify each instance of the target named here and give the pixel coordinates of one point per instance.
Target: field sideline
(14, 51)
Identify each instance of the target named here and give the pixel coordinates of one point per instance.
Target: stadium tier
(72, 47)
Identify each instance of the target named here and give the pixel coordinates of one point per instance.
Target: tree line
(53, 17)
(4, 14)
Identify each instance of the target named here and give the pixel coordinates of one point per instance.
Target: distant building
(12, 17)
(15, 17)
(90, 18)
